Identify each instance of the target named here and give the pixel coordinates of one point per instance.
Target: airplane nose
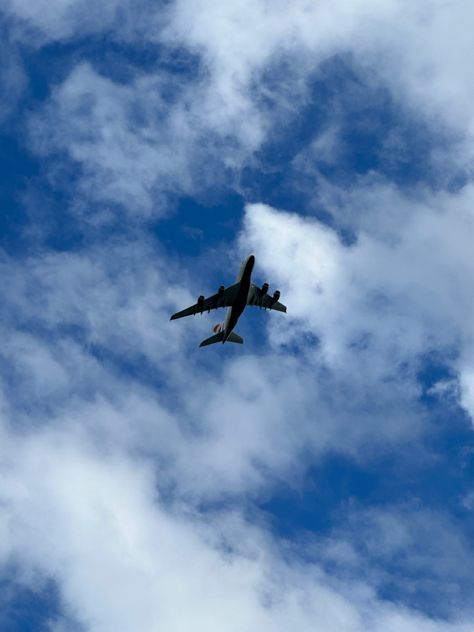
(249, 264)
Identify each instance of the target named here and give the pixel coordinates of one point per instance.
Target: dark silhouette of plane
(236, 297)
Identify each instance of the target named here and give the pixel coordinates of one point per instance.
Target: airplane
(236, 297)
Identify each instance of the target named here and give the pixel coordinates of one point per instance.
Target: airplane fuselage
(234, 312)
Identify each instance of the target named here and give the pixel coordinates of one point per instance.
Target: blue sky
(322, 475)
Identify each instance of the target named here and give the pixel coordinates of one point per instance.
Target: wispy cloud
(401, 300)
(132, 468)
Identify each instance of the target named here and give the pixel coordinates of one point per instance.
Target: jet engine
(276, 296)
(264, 289)
(200, 302)
(220, 291)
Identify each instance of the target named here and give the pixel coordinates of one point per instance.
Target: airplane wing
(224, 298)
(262, 299)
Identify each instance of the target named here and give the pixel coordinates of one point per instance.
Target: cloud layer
(133, 469)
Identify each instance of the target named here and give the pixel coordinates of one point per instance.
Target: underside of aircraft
(236, 297)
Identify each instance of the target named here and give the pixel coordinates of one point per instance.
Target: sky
(319, 477)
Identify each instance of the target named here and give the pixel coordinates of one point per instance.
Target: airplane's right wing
(260, 298)
(223, 298)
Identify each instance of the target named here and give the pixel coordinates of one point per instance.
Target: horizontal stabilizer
(218, 338)
(213, 339)
(235, 338)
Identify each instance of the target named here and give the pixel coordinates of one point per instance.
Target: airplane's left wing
(224, 297)
(260, 298)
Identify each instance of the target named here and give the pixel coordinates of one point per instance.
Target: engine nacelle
(276, 296)
(264, 289)
(220, 291)
(218, 328)
(200, 301)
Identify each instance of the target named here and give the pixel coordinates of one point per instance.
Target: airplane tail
(218, 338)
(235, 338)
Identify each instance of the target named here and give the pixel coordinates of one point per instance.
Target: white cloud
(41, 21)
(86, 481)
(105, 407)
(467, 388)
(12, 81)
(134, 145)
(104, 343)
(381, 304)
(424, 543)
(93, 520)
(134, 142)
(123, 137)
(408, 48)
(90, 454)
